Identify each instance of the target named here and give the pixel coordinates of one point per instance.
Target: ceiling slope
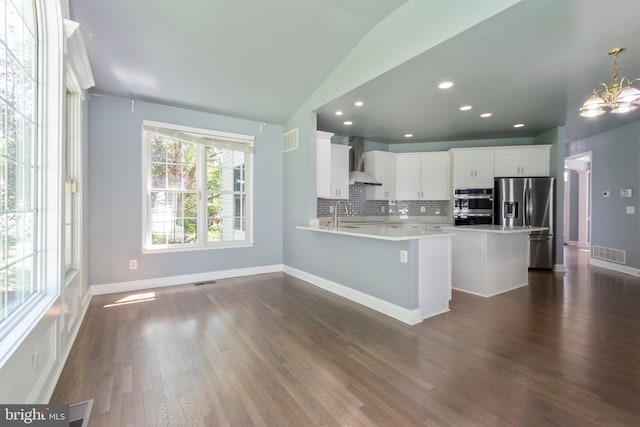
(252, 59)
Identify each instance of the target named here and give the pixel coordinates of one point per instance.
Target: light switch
(404, 256)
(631, 210)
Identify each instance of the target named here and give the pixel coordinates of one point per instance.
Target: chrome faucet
(335, 212)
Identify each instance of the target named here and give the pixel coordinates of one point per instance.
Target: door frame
(582, 163)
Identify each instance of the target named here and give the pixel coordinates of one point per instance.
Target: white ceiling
(534, 63)
(253, 59)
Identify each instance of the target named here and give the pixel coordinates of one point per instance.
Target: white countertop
(379, 232)
(490, 228)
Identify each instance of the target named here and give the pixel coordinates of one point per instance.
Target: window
(197, 188)
(71, 170)
(239, 213)
(18, 155)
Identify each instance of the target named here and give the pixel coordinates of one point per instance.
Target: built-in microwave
(473, 206)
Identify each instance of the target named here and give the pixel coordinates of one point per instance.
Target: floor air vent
(290, 140)
(608, 254)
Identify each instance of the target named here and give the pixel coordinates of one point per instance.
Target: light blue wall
(574, 193)
(615, 165)
(115, 165)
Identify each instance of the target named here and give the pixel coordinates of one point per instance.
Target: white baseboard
(578, 244)
(491, 295)
(159, 282)
(615, 267)
(559, 268)
(46, 391)
(405, 315)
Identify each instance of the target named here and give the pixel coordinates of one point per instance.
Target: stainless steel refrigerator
(529, 202)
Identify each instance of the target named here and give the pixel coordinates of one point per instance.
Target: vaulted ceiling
(253, 59)
(535, 63)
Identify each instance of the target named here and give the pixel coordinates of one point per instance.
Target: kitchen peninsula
(490, 259)
(401, 271)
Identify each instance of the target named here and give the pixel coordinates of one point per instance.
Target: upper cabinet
(472, 167)
(332, 168)
(423, 176)
(382, 166)
(522, 161)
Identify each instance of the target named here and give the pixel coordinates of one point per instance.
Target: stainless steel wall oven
(473, 206)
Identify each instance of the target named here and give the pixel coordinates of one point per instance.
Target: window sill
(197, 248)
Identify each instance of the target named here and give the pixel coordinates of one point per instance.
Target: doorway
(577, 200)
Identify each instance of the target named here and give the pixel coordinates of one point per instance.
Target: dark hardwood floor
(271, 350)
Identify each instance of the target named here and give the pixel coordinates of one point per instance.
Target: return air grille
(290, 140)
(608, 254)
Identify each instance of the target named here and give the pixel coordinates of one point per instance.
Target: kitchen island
(490, 259)
(403, 272)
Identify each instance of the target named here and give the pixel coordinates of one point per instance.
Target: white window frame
(72, 169)
(200, 137)
(48, 180)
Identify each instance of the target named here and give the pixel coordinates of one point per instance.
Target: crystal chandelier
(617, 97)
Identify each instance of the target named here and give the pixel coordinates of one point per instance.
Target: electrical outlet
(330, 209)
(404, 256)
(631, 210)
(133, 264)
(423, 209)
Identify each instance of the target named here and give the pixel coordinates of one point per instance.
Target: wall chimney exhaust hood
(357, 175)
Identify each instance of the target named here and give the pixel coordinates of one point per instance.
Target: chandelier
(617, 97)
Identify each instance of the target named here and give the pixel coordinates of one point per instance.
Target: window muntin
(196, 188)
(18, 149)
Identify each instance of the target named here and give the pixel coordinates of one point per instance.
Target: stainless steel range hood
(356, 163)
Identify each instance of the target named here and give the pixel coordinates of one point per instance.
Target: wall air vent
(290, 140)
(608, 254)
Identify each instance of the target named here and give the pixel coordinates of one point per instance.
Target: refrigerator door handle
(528, 207)
(525, 208)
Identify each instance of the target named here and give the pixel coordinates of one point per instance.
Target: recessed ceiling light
(466, 108)
(485, 115)
(408, 135)
(338, 113)
(445, 85)
(358, 103)
(518, 125)
(348, 123)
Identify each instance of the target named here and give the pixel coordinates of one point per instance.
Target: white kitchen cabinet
(472, 168)
(423, 176)
(435, 176)
(522, 161)
(382, 166)
(332, 168)
(340, 171)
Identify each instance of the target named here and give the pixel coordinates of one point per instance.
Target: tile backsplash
(358, 205)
